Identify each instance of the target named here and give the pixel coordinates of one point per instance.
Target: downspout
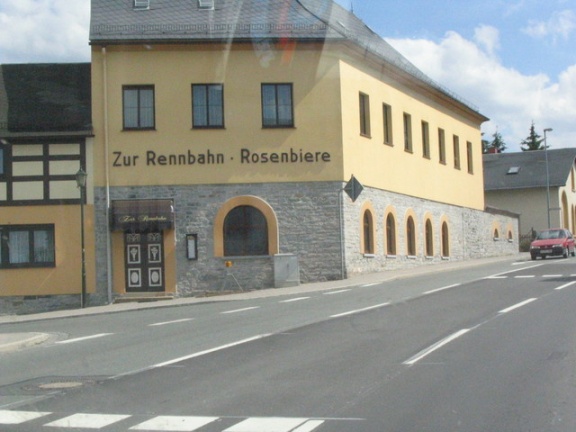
(107, 173)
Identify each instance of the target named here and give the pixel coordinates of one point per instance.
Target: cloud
(488, 37)
(47, 31)
(560, 25)
(509, 98)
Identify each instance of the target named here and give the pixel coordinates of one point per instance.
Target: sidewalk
(15, 341)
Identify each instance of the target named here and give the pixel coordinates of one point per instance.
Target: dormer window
(513, 170)
(141, 4)
(206, 4)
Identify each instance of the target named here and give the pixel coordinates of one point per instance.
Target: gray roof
(45, 98)
(183, 21)
(530, 168)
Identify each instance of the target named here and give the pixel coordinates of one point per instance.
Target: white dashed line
(435, 347)
(240, 310)
(80, 339)
(516, 306)
(170, 322)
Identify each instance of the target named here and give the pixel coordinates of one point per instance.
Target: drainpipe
(107, 172)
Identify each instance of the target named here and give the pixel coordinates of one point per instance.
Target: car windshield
(552, 234)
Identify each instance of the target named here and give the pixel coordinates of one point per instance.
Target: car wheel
(565, 253)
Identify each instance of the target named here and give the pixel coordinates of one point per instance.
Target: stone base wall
(471, 232)
(22, 305)
(317, 223)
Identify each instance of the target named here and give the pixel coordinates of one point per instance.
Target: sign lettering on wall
(245, 157)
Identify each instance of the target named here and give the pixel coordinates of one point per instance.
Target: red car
(552, 242)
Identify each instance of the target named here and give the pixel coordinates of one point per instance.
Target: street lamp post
(81, 183)
(547, 177)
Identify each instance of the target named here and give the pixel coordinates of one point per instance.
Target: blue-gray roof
(183, 21)
(523, 170)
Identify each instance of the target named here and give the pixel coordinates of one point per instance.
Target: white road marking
(209, 351)
(518, 305)
(435, 347)
(309, 426)
(524, 277)
(352, 312)
(553, 276)
(84, 338)
(565, 286)
(441, 289)
(88, 421)
(499, 275)
(370, 284)
(294, 300)
(337, 292)
(170, 322)
(240, 310)
(174, 423)
(496, 277)
(18, 417)
(272, 424)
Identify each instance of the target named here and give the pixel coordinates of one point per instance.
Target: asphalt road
(489, 348)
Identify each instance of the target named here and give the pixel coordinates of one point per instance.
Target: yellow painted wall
(66, 276)
(327, 81)
(392, 168)
(173, 70)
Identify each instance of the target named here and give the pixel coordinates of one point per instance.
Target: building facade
(539, 185)
(248, 145)
(45, 138)
(225, 135)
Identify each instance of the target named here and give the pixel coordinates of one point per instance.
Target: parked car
(552, 242)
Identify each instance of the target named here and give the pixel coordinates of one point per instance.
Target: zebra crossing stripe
(174, 423)
(90, 421)
(163, 423)
(271, 424)
(18, 417)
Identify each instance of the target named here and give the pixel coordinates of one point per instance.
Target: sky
(514, 60)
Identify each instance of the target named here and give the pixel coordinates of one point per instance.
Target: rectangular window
(408, 132)
(138, 103)
(425, 140)
(364, 115)
(470, 154)
(387, 114)
(442, 146)
(277, 106)
(207, 106)
(456, 145)
(24, 246)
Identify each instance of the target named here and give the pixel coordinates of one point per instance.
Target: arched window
(390, 235)
(410, 236)
(368, 233)
(245, 232)
(496, 234)
(445, 240)
(429, 239)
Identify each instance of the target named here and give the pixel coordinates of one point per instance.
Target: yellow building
(45, 138)
(249, 144)
(233, 127)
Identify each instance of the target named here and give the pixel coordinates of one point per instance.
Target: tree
(533, 141)
(485, 145)
(497, 145)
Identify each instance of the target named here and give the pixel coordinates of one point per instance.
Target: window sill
(369, 255)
